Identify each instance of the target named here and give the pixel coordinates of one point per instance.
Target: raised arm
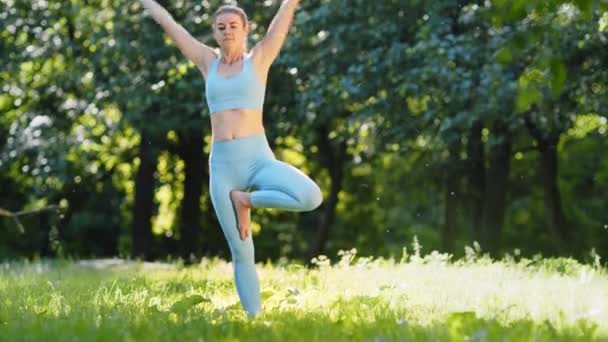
(199, 53)
(267, 50)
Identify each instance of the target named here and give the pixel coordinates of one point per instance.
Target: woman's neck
(231, 56)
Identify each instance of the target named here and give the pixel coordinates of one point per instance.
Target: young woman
(235, 80)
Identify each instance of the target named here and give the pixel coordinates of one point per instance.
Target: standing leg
(245, 275)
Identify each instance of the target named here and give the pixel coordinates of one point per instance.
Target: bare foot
(242, 206)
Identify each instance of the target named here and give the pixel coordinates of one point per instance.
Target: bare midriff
(236, 123)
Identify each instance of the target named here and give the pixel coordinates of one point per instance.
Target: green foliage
(379, 97)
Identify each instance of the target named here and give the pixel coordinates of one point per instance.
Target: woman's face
(230, 30)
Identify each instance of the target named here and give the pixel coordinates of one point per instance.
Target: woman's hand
(200, 54)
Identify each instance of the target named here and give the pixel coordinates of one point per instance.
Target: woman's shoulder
(215, 55)
(248, 55)
(209, 61)
(255, 56)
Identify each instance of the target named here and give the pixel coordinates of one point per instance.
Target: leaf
(266, 294)
(560, 75)
(292, 291)
(459, 322)
(188, 302)
(504, 55)
(603, 23)
(586, 8)
(526, 98)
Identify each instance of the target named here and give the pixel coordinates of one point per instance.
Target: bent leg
(245, 275)
(282, 186)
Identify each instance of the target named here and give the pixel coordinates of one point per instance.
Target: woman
(235, 81)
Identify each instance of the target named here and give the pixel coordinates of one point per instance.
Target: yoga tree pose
(241, 159)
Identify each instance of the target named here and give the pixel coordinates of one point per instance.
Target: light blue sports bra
(241, 91)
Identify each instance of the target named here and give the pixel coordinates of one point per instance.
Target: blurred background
(451, 122)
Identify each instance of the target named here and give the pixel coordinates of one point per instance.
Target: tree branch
(15, 216)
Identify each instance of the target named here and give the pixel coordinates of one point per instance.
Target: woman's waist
(235, 124)
(253, 146)
(228, 115)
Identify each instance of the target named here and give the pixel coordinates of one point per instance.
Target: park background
(442, 122)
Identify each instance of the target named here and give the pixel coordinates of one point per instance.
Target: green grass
(355, 299)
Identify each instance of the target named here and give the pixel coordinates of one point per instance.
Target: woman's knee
(312, 198)
(242, 251)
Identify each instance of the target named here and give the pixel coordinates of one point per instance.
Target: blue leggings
(246, 163)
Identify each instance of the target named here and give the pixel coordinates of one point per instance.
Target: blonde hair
(231, 9)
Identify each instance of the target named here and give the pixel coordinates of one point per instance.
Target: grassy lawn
(354, 299)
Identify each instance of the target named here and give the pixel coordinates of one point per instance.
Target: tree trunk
(191, 152)
(143, 208)
(554, 213)
(497, 186)
(452, 198)
(556, 219)
(333, 161)
(477, 184)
